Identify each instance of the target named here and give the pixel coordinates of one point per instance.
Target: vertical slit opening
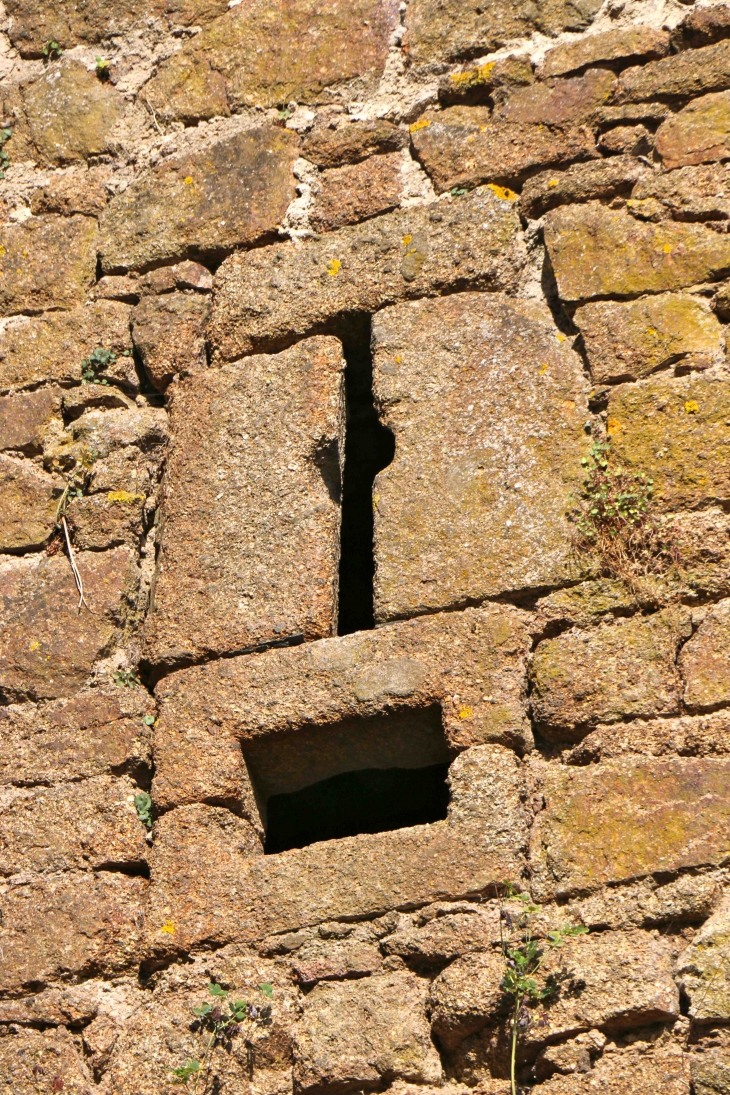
(369, 447)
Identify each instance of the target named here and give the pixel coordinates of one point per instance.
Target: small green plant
(52, 50)
(102, 68)
(524, 957)
(457, 191)
(222, 1020)
(127, 678)
(5, 135)
(284, 113)
(149, 720)
(143, 806)
(95, 363)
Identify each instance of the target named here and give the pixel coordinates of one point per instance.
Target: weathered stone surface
(356, 191)
(168, 332)
(629, 817)
(32, 1060)
(71, 113)
(72, 924)
(450, 30)
(703, 26)
(703, 969)
(689, 899)
(705, 661)
(79, 191)
(583, 604)
(698, 134)
(48, 648)
(474, 502)
(642, 1071)
(471, 664)
(270, 294)
(464, 146)
(626, 341)
(681, 76)
(450, 934)
(351, 142)
(674, 430)
(704, 736)
(466, 996)
(46, 262)
(335, 960)
(356, 1034)
(642, 42)
(181, 275)
(580, 183)
(53, 346)
(258, 56)
(711, 1070)
(597, 252)
(250, 546)
(626, 140)
(102, 521)
(230, 192)
(621, 669)
(95, 733)
(556, 102)
(78, 826)
(28, 500)
(24, 419)
(471, 85)
(699, 193)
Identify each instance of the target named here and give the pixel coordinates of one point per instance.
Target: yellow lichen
(466, 712)
(667, 248)
(472, 76)
(124, 496)
(35, 645)
(2, 250)
(502, 192)
(398, 359)
(407, 239)
(188, 180)
(168, 927)
(692, 406)
(613, 426)
(418, 125)
(552, 183)
(543, 369)
(333, 267)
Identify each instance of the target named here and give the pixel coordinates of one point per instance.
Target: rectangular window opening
(360, 775)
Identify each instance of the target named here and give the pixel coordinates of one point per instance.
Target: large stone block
(642, 42)
(48, 647)
(700, 193)
(25, 419)
(487, 402)
(230, 192)
(261, 55)
(69, 925)
(71, 114)
(581, 182)
(556, 102)
(269, 295)
(711, 1069)
(629, 817)
(704, 736)
(471, 664)
(354, 1035)
(54, 346)
(168, 333)
(354, 140)
(451, 30)
(77, 826)
(621, 669)
(705, 661)
(249, 549)
(681, 76)
(629, 340)
(28, 500)
(698, 134)
(47, 262)
(704, 971)
(466, 996)
(674, 430)
(356, 192)
(660, 1071)
(31, 1060)
(465, 146)
(598, 252)
(95, 733)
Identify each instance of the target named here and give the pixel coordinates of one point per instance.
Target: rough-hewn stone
(674, 430)
(464, 146)
(230, 192)
(466, 996)
(580, 182)
(703, 968)
(48, 647)
(471, 85)
(642, 42)
(450, 30)
(31, 1060)
(80, 191)
(703, 26)
(706, 735)
(94, 733)
(355, 1034)
(711, 1070)
(642, 1071)
(629, 817)
(356, 192)
(465, 383)
(626, 341)
(54, 346)
(46, 262)
(28, 500)
(95, 438)
(699, 193)
(24, 419)
(681, 76)
(71, 924)
(597, 252)
(102, 521)
(168, 333)
(705, 660)
(249, 549)
(272, 294)
(698, 134)
(351, 142)
(622, 669)
(688, 899)
(556, 102)
(451, 932)
(77, 826)
(258, 56)
(583, 604)
(626, 140)
(335, 960)
(471, 664)
(71, 113)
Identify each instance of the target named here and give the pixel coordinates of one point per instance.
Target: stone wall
(218, 219)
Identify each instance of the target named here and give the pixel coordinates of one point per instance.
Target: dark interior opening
(369, 447)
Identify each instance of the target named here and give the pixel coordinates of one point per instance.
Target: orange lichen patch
(466, 712)
(692, 406)
(424, 122)
(613, 426)
(168, 927)
(472, 77)
(333, 267)
(124, 496)
(502, 192)
(188, 180)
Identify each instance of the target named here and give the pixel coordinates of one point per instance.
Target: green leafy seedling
(5, 135)
(52, 50)
(149, 720)
(183, 1072)
(457, 191)
(143, 806)
(102, 68)
(126, 678)
(97, 361)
